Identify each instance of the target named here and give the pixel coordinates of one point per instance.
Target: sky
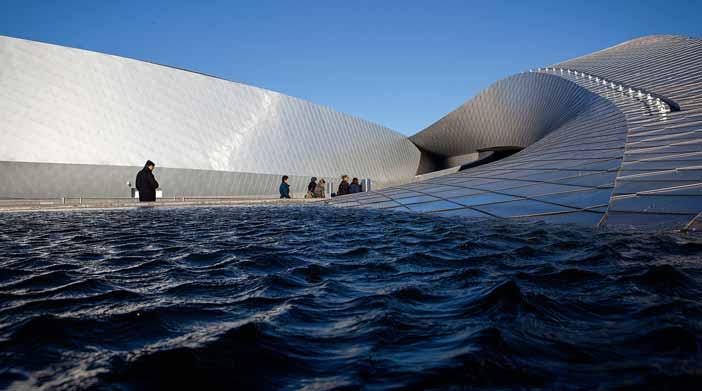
(401, 64)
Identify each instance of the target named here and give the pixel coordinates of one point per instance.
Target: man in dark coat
(343, 186)
(146, 183)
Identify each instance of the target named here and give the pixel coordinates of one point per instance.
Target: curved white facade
(516, 111)
(69, 106)
(611, 138)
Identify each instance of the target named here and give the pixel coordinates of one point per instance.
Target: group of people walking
(348, 188)
(318, 188)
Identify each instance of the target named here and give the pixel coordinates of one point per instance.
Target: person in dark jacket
(343, 186)
(354, 187)
(146, 183)
(310, 188)
(284, 188)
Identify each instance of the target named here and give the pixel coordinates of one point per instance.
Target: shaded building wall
(516, 111)
(55, 180)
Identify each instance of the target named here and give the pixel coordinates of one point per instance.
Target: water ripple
(316, 298)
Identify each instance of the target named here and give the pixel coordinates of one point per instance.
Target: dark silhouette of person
(310, 187)
(284, 188)
(343, 186)
(354, 187)
(146, 183)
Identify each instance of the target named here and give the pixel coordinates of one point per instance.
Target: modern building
(75, 123)
(610, 138)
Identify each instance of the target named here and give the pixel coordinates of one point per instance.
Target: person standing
(354, 187)
(343, 186)
(146, 183)
(319, 191)
(310, 188)
(284, 188)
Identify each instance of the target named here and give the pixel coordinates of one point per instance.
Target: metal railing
(664, 105)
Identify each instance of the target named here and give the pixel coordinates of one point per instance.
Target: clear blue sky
(402, 64)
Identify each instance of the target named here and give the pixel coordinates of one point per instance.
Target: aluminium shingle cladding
(516, 111)
(628, 151)
(610, 138)
(69, 106)
(660, 178)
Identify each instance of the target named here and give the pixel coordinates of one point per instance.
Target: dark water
(320, 298)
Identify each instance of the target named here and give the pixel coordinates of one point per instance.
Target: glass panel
(658, 204)
(585, 218)
(548, 175)
(521, 208)
(456, 192)
(579, 199)
(602, 166)
(598, 179)
(417, 199)
(630, 187)
(485, 198)
(661, 164)
(540, 188)
(505, 184)
(432, 206)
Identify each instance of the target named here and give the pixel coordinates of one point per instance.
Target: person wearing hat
(146, 183)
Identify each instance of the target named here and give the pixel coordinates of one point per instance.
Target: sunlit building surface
(79, 123)
(610, 138)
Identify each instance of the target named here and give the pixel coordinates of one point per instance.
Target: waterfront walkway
(59, 204)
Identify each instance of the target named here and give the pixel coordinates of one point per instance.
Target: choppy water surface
(294, 297)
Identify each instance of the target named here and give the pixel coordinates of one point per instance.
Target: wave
(245, 356)
(313, 298)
